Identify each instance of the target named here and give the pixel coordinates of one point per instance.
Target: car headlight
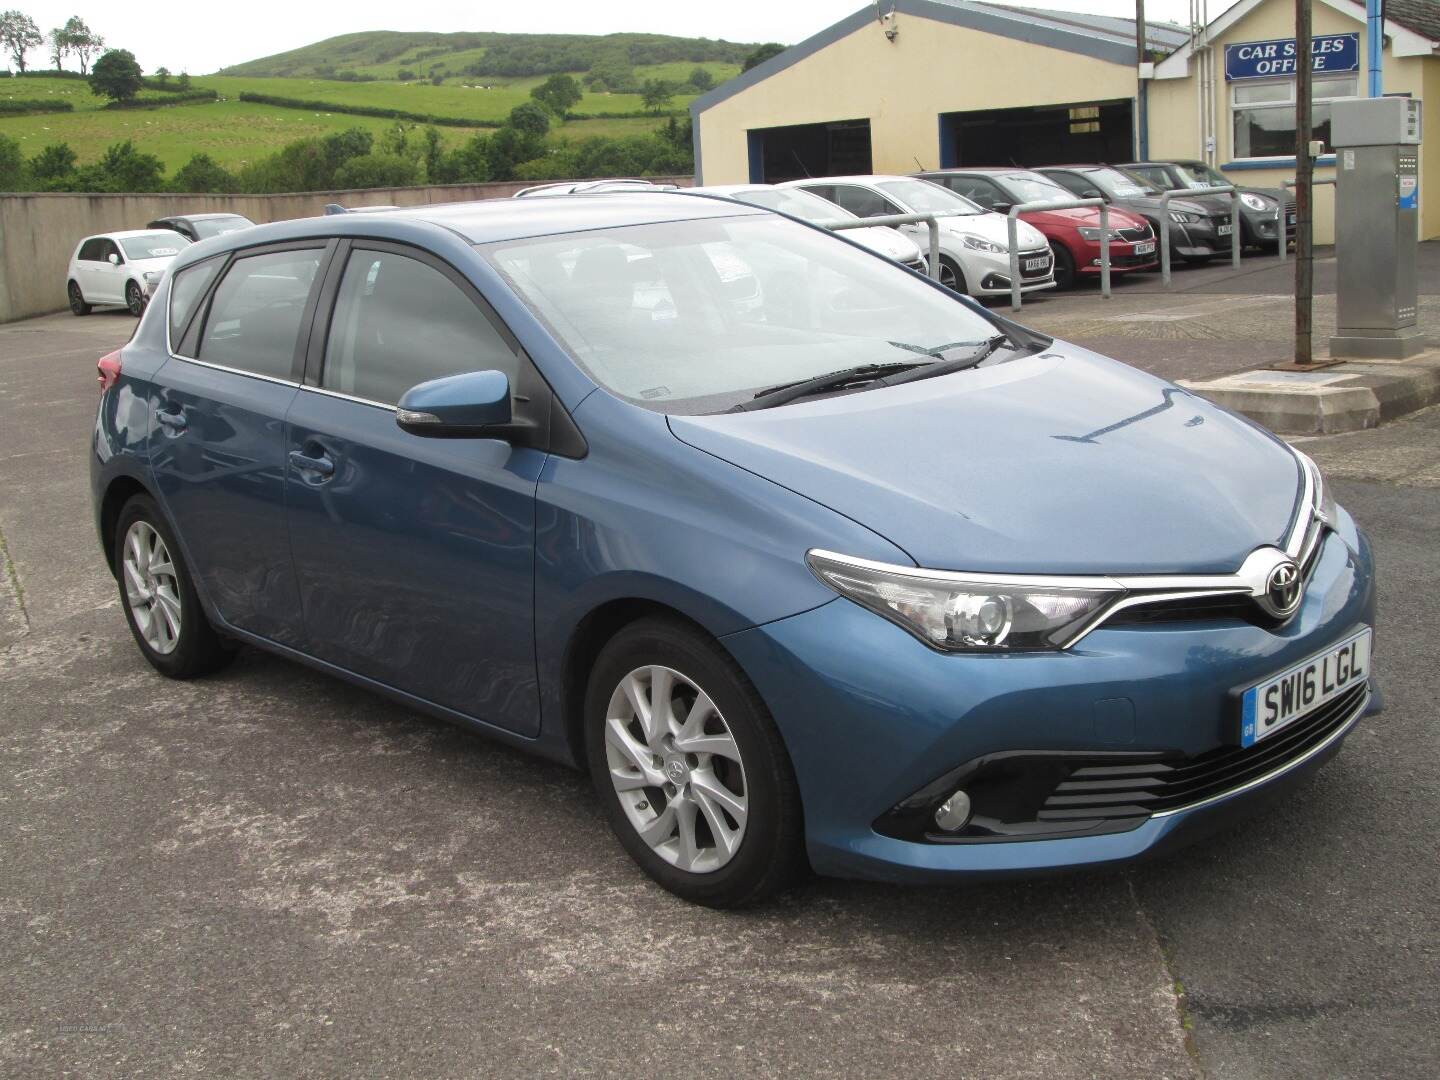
(1088, 233)
(153, 276)
(978, 244)
(1183, 217)
(967, 612)
(1256, 202)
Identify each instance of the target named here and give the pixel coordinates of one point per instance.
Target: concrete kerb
(1347, 397)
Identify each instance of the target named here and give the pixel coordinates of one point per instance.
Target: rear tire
(158, 596)
(78, 306)
(134, 299)
(709, 754)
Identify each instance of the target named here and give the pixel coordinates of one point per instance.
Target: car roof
(868, 178)
(489, 220)
(200, 217)
(123, 234)
(982, 170)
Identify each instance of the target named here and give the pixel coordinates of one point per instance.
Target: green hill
(384, 54)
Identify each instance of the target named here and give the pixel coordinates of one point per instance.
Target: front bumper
(1200, 239)
(988, 273)
(871, 716)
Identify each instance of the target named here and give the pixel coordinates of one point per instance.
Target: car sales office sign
(1267, 59)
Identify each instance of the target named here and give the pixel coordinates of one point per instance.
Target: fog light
(954, 812)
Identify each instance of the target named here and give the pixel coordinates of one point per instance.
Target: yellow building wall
(1175, 120)
(901, 87)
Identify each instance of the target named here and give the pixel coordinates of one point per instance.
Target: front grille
(1140, 232)
(918, 265)
(1188, 609)
(1042, 272)
(1107, 792)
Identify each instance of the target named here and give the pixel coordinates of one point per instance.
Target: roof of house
(1422, 16)
(1100, 36)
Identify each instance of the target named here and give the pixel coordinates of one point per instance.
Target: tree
(656, 94)
(59, 47)
(122, 169)
(202, 174)
(558, 93)
(434, 154)
(12, 165)
(162, 77)
(54, 166)
(529, 119)
(116, 76)
(701, 79)
(18, 35)
(377, 170)
(760, 55)
(183, 83)
(84, 42)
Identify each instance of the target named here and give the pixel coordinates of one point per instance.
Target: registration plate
(1298, 691)
(1042, 263)
(1223, 230)
(1145, 247)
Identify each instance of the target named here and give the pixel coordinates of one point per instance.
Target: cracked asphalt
(271, 873)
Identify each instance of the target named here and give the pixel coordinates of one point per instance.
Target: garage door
(833, 148)
(1080, 132)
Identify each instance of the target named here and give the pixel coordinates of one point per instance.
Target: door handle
(323, 466)
(175, 421)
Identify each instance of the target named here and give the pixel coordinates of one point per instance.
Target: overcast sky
(181, 34)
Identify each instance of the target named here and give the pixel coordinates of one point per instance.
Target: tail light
(108, 370)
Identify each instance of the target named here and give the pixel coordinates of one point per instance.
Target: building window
(1264, 114)
(1084, 118)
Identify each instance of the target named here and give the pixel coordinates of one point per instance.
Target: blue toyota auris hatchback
(808, 560)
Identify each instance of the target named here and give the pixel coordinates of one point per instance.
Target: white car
(974, 245)
(591, 187)
(807, 207)
(120, 269)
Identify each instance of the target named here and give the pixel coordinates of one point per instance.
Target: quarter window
(862, 202)
(90, 251)
(186, 289)
(1263, 114)
(254, 320)
(399, 322)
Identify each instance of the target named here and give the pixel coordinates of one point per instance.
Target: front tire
(952, 277)
(1064, 267)
(78, 306)
(690, 768)
(134, 299)
(159, 598)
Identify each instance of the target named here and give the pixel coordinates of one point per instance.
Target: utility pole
(1304, 191)
(1142, 89)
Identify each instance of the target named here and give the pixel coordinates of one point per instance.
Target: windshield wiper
(835, 380)
(984, 350)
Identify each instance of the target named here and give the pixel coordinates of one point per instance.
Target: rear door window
(399, 322)
(186, 289)
(90, 250)
(254, 319)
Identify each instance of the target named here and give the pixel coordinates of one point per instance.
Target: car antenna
(916, 159)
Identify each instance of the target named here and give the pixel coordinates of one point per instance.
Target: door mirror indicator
(475, 404)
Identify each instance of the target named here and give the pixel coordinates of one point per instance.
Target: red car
(1074, 234)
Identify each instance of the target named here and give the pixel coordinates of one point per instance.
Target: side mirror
(473, 405)
(1001, 207)
(113, 259)
(1094, 193)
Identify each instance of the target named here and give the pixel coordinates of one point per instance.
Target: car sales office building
(905, 85)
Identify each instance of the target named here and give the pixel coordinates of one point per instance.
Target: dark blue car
(807, 559)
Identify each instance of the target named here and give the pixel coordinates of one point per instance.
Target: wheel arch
(590, 635)
(120, 491)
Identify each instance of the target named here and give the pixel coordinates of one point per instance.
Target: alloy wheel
(676, 769)
(949, 278)
(134, 300)
(152, 588)
(77, 300)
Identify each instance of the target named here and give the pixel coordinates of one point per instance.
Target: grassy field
(234, 132)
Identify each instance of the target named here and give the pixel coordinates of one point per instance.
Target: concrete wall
(38, 232)
(1175, 108)
(901, 87)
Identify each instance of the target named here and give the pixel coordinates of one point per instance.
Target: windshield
(1117, 184)
(924, 197)
(1032, 187)
(208, 227)
(696, 316)
(794, 202)
(1197, 175)
(158, 245)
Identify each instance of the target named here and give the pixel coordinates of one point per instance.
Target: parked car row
(123, 269)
